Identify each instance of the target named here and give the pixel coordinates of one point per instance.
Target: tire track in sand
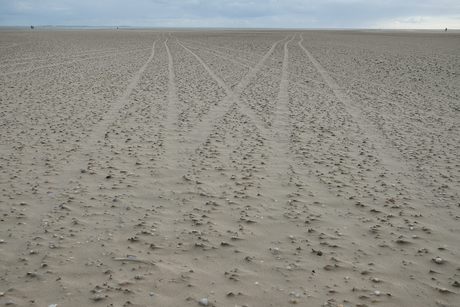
(124, 97)
(280, 157)
(282, 103)
(94, 148)
(234, 94)
(176, 144)
(242, 62)
(67, 62)
(342, 96)
(99, 131)
(203, 129)
(380, 147)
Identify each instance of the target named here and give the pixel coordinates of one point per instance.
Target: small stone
(152, 294)
(438, 260)
(204, 302)
(377, 293)
(9, 302)
(375, 279)
(319, 253)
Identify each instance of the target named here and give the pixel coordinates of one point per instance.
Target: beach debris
(204, 302)
(438, 260)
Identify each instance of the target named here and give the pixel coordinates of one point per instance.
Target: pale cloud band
(425, 14)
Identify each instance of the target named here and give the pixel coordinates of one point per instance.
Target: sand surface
(247, 168)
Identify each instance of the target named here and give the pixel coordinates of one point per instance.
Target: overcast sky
(391, 14)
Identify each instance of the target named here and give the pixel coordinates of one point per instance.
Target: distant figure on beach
(32, 27)
(445, 30)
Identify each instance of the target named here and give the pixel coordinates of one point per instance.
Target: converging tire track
(233, 95)
(250, 64)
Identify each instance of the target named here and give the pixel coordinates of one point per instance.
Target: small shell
(377, 293)
(445, 290)
(375, 279)
(204, 302)
(438, 260)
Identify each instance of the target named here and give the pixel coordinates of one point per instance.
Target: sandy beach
(249, 168)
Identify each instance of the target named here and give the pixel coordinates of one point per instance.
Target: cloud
(227, 13)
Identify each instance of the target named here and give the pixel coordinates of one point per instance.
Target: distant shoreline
(60, 27)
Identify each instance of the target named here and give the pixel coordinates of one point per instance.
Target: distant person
(445, 30)
(32, 27)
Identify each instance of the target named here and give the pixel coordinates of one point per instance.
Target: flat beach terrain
(230, 168)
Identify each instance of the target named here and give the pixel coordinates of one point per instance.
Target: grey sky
(393, 14)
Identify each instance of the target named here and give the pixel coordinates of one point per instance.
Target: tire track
(282, 112)
(280, 164)
(339, 92)
(69, 62)
(202, 129)
(225, 56)
(233, 95)
(173, 98)
(380, 145)
(239, 88)
(172, 116)
(108, 117)
(33, 59)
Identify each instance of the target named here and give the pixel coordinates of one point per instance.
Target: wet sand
(229, 168)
